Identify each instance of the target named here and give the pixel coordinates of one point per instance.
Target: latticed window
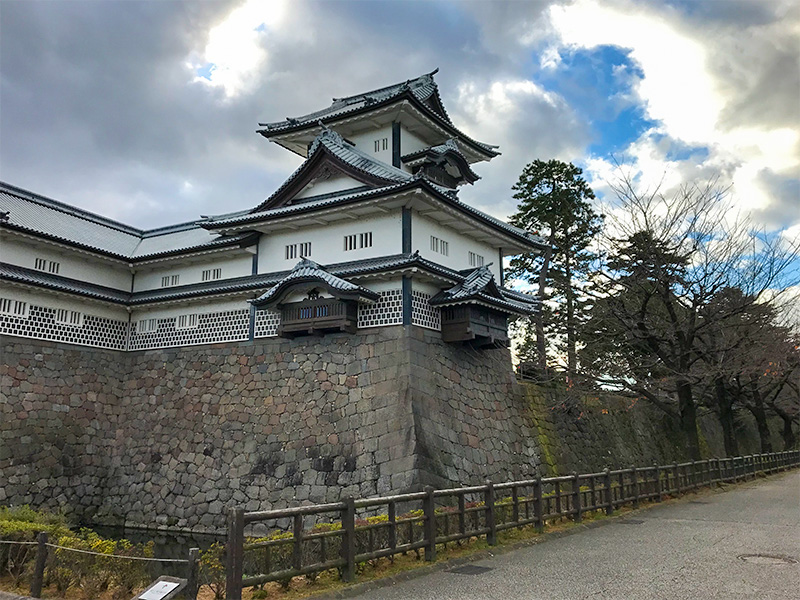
(475, 260)
(440, 246)
(16, 308)
(211, 274)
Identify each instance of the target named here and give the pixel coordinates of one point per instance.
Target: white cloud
(681, 92)
(234, 52)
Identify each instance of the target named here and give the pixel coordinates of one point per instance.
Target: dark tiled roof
(308, 271)
(31, 213)
(433, 152)
(422, 89)
(234, 285)
(62, 284)
(346, 197)
(354, 159)
(480, 286)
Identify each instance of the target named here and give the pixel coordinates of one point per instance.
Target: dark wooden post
(234, 554)
(692, 479)
(191, 574)
(41, 561)
(515, 504)
(297, 542)
(349, 539)
(429, 508)
(576, 497)
(491, 536)
(609, 497)
(676, 476)
(537, 504)
(635, 484)
(392, 527)
(659, 495)
(462, 514)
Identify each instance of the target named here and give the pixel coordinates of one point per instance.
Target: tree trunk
(725, 406)
(757, 408)
(541, 343)
(688, 418)
(572, 362)
(789, 438)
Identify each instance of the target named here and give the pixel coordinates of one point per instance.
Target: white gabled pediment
(328, 181)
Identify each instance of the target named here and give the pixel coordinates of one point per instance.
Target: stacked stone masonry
(176, 435)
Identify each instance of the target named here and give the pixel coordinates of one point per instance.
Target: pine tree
(554, 202)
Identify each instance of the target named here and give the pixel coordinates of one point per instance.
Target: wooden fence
(343, 534)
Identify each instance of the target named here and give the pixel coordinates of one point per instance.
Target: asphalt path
(689, 549)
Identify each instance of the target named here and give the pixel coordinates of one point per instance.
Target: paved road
(687, 550)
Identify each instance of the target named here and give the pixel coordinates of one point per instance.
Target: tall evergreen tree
(554, 202)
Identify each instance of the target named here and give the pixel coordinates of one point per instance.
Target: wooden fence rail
(340, 535)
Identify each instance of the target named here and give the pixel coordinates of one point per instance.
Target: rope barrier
(160, 560)
(172, 560)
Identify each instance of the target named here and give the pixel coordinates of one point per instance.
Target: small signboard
(163, 588)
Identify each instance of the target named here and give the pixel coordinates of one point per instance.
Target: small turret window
(440, 246)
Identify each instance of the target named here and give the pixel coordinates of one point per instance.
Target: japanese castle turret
(368, 232)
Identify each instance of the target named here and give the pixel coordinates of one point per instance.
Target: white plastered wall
(329, 186)
(410, 143)
(71, 264)
(191, 271)
(53, 300)
(459, 245)
(174, 310)
(327, 242)
(366, 143)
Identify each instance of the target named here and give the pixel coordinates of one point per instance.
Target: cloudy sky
(146, 111)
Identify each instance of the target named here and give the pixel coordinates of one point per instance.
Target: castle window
(381, 144)
(15, 308)
(302, 250)
(168, 280)
(358, 240)
(440, 246)
(211, 274)
(186, 321)
(50, 266)
(147, 326)
(475, 260)
(73, 318)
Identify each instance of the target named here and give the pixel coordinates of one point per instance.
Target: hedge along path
(422, 520)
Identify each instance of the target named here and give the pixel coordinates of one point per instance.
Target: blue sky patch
(205, 71)
(598, 84)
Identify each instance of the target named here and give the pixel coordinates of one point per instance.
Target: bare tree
(670, 259)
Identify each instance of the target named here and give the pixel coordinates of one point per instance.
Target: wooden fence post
(234, 554)
(676, 475)
(659, 495)
(191, 574)
(491, 536)
(349, 539)
(537, 504)
(609, 496)
(297, 542)
(41, 561)
(576, 497)
(429, 509)
(635, 486)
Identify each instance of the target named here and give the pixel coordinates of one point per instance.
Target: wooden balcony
(479, 325)
(320, 316)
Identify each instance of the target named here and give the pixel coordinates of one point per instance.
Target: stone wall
(587, 434)
(172, 437)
